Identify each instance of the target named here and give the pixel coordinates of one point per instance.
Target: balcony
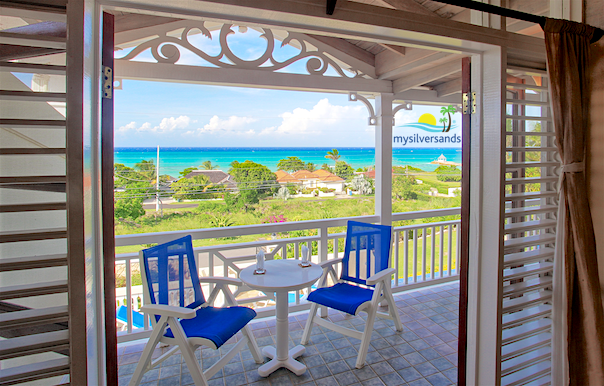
(425, 286)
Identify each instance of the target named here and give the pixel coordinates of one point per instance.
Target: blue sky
(170, 114)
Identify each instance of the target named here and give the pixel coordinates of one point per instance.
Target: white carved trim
(166, 48)
(403, 106)
(353, 97)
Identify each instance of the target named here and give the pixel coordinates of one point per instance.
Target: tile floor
(425, 353)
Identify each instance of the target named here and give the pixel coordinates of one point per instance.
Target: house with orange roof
(309, 179)
(284, 178)
(320, 179)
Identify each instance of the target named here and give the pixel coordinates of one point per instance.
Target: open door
(107, 197)
(465, 224)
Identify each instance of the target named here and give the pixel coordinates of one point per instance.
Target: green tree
(254, 181)
(128, 207)
(404, 188)
(146, 169)
(343, 170)
(310, 167)
(195, 188)
(334, 155)
(207, 165)
(448, 173)
(291, 164)
(447, 110)
(187, 171)
(327, 168)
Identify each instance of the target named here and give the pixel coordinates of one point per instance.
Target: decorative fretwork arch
(325, 69)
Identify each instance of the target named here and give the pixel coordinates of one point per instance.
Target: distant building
(284, 178)
(216, 177)
(317, 179)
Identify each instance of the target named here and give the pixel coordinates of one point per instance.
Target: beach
(175, 159)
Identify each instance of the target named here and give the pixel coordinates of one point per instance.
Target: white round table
(281, 277)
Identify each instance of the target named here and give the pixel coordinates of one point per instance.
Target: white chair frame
(169, 316)
(381, 292)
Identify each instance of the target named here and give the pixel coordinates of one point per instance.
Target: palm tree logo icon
(446, 110)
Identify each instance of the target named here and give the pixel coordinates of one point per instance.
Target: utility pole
(157, 205)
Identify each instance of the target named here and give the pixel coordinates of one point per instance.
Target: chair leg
(366, 337)
(188, 353)
(393, 311)
(147, 355)
(309, 323)
(252, 345)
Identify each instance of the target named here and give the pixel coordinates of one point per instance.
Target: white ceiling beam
(427, 97)
(392, 66)
(425, 76)
(448, 88)
(347, 48)
(410, 6)
(164, 72)
(399, 50)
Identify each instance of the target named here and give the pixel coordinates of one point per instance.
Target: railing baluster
(433, 254)
(396, 258)
(211, 268)
(442, 252)
(458, 249)
(406, 255)
(424, 254)
(415, 255)
(450, 249)
(129, 295)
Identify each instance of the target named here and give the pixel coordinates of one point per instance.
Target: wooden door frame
(107, 201)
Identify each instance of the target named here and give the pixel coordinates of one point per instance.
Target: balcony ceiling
(409, 68)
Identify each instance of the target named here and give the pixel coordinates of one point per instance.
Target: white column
(383, 158)
(486, 220)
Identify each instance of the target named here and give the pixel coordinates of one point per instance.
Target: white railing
(433, 246)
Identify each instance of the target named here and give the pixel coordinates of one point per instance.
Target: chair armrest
(382, 275)
(166, 310)
(329, 263)
(221, 280)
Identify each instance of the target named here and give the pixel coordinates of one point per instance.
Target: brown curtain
(567, 45)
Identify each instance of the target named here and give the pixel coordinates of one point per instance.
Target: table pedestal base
(290, 363)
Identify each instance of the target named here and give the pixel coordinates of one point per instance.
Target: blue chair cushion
(342, 296)
(216, 324)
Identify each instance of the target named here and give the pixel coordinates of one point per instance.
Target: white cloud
(322, 116)
(166, 125)
(232, 124)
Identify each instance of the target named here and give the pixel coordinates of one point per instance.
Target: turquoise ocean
(175, 159)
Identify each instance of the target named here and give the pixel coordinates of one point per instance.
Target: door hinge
(107, 82)
(469, 103)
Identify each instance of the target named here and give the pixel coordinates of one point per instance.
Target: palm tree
(334, 155)
(443, 120)
(447, 110)
(207, 165)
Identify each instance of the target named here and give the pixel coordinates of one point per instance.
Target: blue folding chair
(182, 317)
(365, 281)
